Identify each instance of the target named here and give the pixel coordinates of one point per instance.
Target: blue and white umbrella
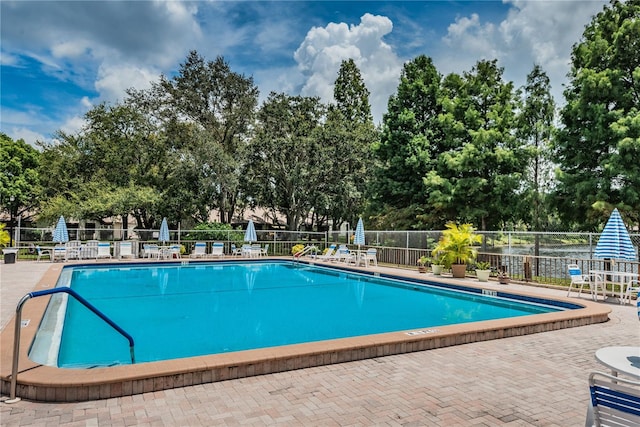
(615, 242)
(164, 231)
(358, 239)
(250, 234)
(60, 234)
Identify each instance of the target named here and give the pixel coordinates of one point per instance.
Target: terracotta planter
(459, 270)
(422, 269)
(437, 269)
(483, 275)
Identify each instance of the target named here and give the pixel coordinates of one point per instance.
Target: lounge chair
(60, 252)
(217, 249)
(615, 401)
(151, 250)
(126, 250)
(329, 255)
(73, 249)
(104, 250)
(90, 250)
(345, 255)
(199, 250)
(43, 253)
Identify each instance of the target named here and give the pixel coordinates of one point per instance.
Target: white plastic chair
(235, 251)
(370, 256)
(199, 250)
(577, 278)
(264, 251)
(126, 250)
(633, 286)
(44, 253)
(217, 249)
(615, 401)
(104, 250)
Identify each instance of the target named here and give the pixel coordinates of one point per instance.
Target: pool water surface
(177, 311)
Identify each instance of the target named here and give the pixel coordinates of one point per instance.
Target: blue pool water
(174, 311)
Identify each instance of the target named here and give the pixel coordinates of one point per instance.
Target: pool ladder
(18, 325)
(305, 251)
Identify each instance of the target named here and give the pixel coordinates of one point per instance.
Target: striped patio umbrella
(250, 234)
(60, 234)
(358, 239)
(615, 242)
(164, 231)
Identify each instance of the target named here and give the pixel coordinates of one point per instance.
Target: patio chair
(175, 251)
(615, 401)
(235, 251)
(43, 253)
(73, 249)
(126, 250)
(60, 252)
(370, 256)
(265, 250)
(632, 286)
(104, 250)
(151, 250)
(90, 249)
(577, 278)
(345, 255)
(217, 249)
(199, 250)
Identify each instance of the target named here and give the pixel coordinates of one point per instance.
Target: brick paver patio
(533, 380)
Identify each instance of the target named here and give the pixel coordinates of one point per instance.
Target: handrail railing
(18, 325)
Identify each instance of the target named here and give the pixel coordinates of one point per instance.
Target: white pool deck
(529, 380)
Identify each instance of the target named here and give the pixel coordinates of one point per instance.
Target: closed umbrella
(60, 234)
(614, 242)
(358, 239)
(164, 231)
(250, 234)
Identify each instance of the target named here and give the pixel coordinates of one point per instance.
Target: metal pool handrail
(16, 337)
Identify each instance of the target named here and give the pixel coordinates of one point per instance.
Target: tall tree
(479, 173)
(598, 147)
(19, 177)
(535, 129)
(222, 103)
(409, 143)
(346, 139)
(284, 165)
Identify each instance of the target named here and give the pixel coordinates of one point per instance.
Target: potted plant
(483, 271)
(437, 265)
(423, 261)
(503, 276)
(456, 247)
(9, 253)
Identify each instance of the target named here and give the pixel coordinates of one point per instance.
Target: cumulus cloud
(534, 32)
(324, 48)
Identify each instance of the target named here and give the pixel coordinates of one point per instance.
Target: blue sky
(60, 58)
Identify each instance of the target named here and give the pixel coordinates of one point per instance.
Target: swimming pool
(176, 311)
(52, 384)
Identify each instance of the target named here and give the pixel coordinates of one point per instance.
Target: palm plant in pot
(456, 247)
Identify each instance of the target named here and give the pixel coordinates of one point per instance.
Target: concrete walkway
(533, 380)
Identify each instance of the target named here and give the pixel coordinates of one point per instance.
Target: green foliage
(456, 244)
(424, 260)
(410, 140)
(598, 145)
(215, 231)
(296, 249)
(483, 265)
(5, 239)
(19, 177)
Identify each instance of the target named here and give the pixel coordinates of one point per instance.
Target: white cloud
(114, 79)
(534, 32)
(324, 48)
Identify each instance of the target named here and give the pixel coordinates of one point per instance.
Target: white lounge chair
(90, 249)
(73, 248)
(126, 250)
(43, 253)
(104, 250)
(329, 255)
(199, 250)
(60, 252)
(217, 249)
